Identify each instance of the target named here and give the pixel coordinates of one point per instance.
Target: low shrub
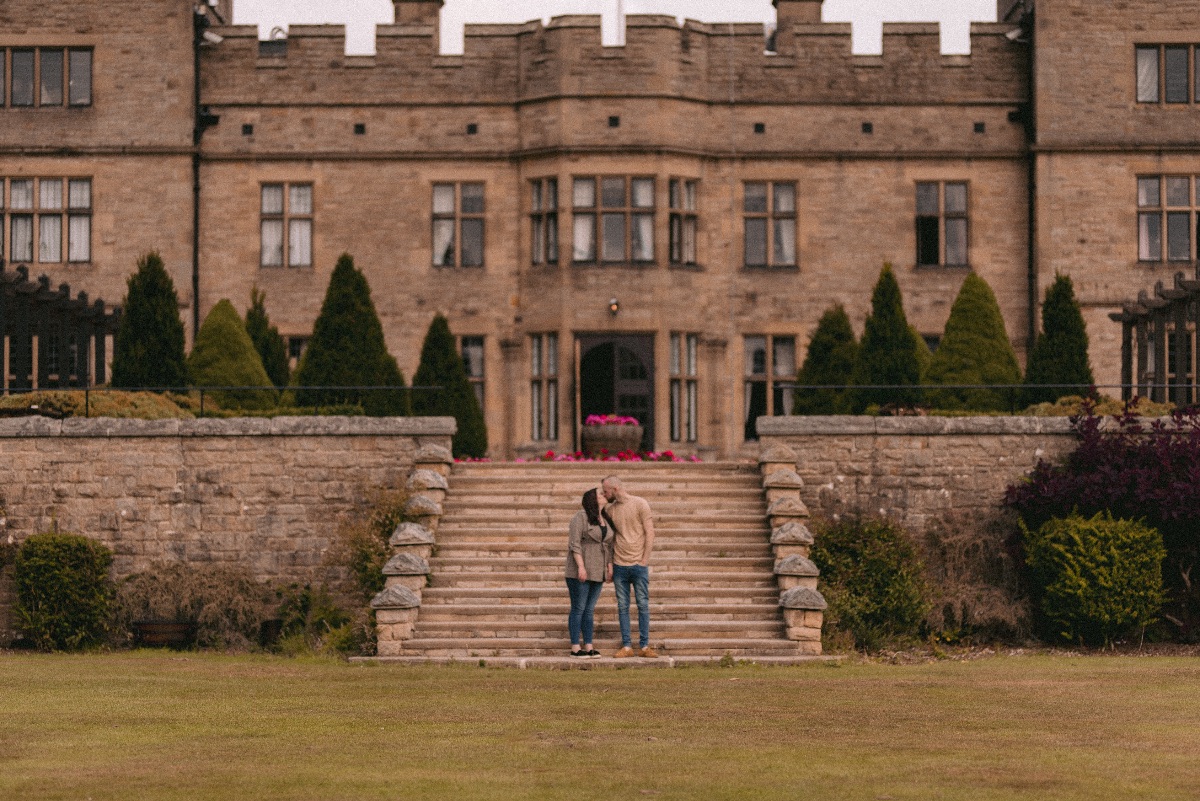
(872, 578)
(360, 545)
(1097, 578)
(63, 591)
(101, 403)
(314, 622)
(226, 605)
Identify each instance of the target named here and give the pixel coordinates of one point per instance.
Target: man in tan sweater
(634, 528)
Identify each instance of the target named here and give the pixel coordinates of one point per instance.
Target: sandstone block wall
(915, 470)
(266, 494)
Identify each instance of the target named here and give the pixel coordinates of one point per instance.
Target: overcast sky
(361, 16)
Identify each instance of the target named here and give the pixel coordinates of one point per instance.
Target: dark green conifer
(975, 350)
(442, 366)
(1060, 353)
(887, 355)
(347, 349)
(148, 351)
(828, 363)
(267, 341)
(224, 356)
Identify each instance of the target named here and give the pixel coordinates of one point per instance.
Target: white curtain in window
(272, 199)
(584, 238)
(49, 238)
(20, 194)
(642, 237)
(1147, 74)
(443, 243)
(50, 194)
(643, 193)
(1150, 237)
(79, 238)
(785, 242)
(300, 243)
(20, 245)
(300, 199)
(79, 194)
(272, 243)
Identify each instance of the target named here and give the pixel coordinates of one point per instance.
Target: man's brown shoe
(624, 652)
(648, 653)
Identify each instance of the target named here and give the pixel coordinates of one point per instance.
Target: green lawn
(196, 726)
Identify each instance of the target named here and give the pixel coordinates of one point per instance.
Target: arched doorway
(616, 376)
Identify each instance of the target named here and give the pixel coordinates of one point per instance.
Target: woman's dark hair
(591, 505)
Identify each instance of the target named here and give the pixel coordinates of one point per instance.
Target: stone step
(715, 647)
(664, 564)
(553, 611)
(658, 581)
(606, 628)
(691, 492)
(664, 550)
(552, 593)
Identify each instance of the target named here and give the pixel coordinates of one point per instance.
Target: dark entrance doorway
(616, 376)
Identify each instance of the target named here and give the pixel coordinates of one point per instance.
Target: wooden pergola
(49, 340)
(1158, 342)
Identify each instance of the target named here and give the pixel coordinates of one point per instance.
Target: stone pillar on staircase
(406, 573)
(803, 606)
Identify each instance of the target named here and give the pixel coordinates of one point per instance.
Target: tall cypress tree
(267, 341)
(975, 350)
(1060, 353)
(224, 356)
(828, 363)
(148, 351)
(442, 366)
(887, 355)
(347, 349)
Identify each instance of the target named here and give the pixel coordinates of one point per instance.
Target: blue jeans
(584, 595)
(639, 577)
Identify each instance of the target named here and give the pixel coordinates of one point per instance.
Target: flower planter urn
(611, 439)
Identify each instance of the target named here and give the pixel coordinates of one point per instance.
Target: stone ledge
(113, 427)
(841, 425)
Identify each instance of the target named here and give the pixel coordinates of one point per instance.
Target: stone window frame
(1167, 214)
(48, 203)
(543, 387)
(684, 395)
(472, 349)
(595, 215)
(72, 89)
(285, 223)
(769, 378)
(1165, 74)
(543, 219)
(779, 225)
(458, 209)
(936, 216)
(683, 222)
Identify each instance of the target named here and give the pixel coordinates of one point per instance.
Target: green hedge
(63, 591)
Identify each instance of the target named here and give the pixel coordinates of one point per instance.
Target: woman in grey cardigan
(589, 565)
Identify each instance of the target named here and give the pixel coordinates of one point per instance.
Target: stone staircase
(496, 587)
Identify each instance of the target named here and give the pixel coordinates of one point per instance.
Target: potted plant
(610, 434)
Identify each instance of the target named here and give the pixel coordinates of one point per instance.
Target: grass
(149, 725)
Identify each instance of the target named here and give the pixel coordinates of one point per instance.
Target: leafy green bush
(442, 366)
(1095, 578)
(63, 591)
(313, 621)
(887, 355)
(148, 348)
(226, 605)
(360, 545)
(224, 356)
(872, 578)
(828, 363)
(975, 350)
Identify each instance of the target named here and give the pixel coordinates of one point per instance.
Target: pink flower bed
(609, 420)
(605, 456)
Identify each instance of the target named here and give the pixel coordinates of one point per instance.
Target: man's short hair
(611, 481)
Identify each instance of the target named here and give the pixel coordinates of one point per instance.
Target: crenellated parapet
(711, 63)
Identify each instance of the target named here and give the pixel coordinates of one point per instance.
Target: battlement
(812, 62)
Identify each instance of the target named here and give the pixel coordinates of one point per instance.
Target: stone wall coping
(112, 427)
(840, 425)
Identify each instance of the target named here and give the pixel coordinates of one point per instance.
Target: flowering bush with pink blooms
(605, 456)
(609, 420)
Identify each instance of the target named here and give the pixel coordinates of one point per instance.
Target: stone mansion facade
(651, 229)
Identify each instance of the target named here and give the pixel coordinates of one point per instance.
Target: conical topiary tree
(828, 363)
(148, 351)
(224, 356)
(347, 349)
(975, 350)
(887, 354)
(924, 354)
(442, 366)
(1060, 353)
(267, 341)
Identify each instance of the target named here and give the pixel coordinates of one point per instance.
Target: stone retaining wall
(265, 493)
(914, 469)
